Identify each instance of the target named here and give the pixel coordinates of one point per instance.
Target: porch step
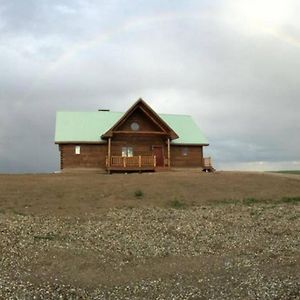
(209, 169)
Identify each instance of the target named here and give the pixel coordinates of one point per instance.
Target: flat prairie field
(167, 235)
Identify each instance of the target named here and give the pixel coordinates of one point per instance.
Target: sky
(233, 65)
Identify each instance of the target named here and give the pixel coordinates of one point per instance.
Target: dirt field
(177, 235)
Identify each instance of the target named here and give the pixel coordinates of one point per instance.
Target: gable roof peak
(140, 103)
(139, 100)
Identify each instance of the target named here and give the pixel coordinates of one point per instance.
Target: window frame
(135, 126)
(127, 151)
(77, 150)
(185, 151)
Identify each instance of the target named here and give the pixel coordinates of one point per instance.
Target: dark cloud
(241, 86)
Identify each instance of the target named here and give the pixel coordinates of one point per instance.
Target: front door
(158, 152)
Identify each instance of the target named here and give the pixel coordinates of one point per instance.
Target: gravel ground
(220, 251)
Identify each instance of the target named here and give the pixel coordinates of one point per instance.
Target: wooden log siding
(94, 156)
(141, 145)
(194, 157)
(169, 154)
(109, 151)
(61, 157)
(91, 156)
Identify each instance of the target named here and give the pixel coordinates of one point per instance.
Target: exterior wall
(140, 145)
(194, 157)
(91, 156)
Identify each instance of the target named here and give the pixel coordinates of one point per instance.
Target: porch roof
(89, 126)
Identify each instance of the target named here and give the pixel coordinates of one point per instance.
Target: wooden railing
(131, 162)
(207, 162)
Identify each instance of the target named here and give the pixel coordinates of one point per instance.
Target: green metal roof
(89, 126)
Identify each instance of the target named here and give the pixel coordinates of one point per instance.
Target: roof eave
(80, 142)
(190, 144)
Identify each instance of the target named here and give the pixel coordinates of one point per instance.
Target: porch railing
(131, 162)
(207, 162)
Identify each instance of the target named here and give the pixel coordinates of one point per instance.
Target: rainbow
(103, 37)
(125, 27)
(132, 24)
(282, 36)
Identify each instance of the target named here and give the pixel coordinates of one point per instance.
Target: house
(137, 140)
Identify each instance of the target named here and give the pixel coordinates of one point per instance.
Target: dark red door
(158, 152)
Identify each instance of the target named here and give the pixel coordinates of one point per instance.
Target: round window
(135, 126)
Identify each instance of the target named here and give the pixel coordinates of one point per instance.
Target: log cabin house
(137, 140)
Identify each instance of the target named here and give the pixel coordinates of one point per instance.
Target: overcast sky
(233, 65)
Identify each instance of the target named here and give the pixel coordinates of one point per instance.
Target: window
(77, 149)
(185, 151)
(135, 126)
(127, 151)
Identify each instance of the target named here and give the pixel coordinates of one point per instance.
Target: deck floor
(131, 169)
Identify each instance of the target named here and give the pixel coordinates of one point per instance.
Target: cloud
(241, 85)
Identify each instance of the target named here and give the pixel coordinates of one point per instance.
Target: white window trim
(77, 150)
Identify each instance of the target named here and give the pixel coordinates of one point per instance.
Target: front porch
(142, 163)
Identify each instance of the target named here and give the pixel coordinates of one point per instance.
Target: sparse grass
(245, 201)
(48, 236)
(291, 200)
(177, 204)
(251, 201)
(296, 172)
(79, 194)
(225, 201)
(138, 193)
(16, 212)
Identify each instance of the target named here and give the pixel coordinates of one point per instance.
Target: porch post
(109, 151)
(169, 154)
